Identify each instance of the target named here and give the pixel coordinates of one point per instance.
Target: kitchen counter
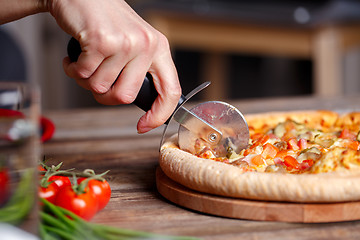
(106, 139)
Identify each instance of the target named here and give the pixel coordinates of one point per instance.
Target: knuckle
(124, 97)
(163, 42)
(84, 73)
(148, 41)
(125, 44)
(99, 88)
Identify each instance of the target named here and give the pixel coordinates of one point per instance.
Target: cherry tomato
(101, 189)
(49, 193)
(84, 205)
(4, 185)
(60, 181)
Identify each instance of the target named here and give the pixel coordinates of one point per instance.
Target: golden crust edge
(220, 179)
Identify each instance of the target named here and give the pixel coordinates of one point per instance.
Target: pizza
(299, 156)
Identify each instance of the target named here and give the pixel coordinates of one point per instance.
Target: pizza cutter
(213, 124)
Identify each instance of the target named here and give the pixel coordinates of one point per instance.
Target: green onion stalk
(60, 223)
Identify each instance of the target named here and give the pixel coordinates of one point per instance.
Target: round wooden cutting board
(255, 210)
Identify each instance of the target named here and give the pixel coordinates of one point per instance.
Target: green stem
(55, 210)
(21, 202)
(121, 231)
(60, 233)
(102, 230)
(44, 235)
(77, 225)
(88, 231)
(16, 216)
(126, 233)
(50, 220)
(68, 173)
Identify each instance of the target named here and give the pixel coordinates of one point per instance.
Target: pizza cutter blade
(216, 125)
(226, 119)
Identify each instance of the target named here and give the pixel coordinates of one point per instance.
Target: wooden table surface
(106, 139)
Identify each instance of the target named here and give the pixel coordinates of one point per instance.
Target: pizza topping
(269, 151)
(276, 168)
(287, 129)
(346, 134)
(293, 144)
(291, 162)
(295, 148)
(310, 153)
(346, 143)
(206, 153)
(354, 145)
(252, 161)
(281, 145)
(324, 141)
(337, 159)
(258, 160)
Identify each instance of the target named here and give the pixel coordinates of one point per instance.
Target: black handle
(147, 93)
(73, 49)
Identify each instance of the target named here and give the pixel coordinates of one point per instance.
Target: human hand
(115, 39)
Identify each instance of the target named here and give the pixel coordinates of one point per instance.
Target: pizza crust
(350, 121)
(217, 178)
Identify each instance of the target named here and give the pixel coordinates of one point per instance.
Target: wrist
(12, 10)
(43, 5)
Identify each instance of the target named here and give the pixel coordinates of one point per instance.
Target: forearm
(113, 39)
(11, 10)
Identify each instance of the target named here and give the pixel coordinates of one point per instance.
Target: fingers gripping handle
(147, 93)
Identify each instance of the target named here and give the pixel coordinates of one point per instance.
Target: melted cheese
(337, 159)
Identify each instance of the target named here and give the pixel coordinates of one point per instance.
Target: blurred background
(247, 49)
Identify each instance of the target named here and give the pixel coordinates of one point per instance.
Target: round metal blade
(226, 118)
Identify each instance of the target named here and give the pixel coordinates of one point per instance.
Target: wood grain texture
(255, 210)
